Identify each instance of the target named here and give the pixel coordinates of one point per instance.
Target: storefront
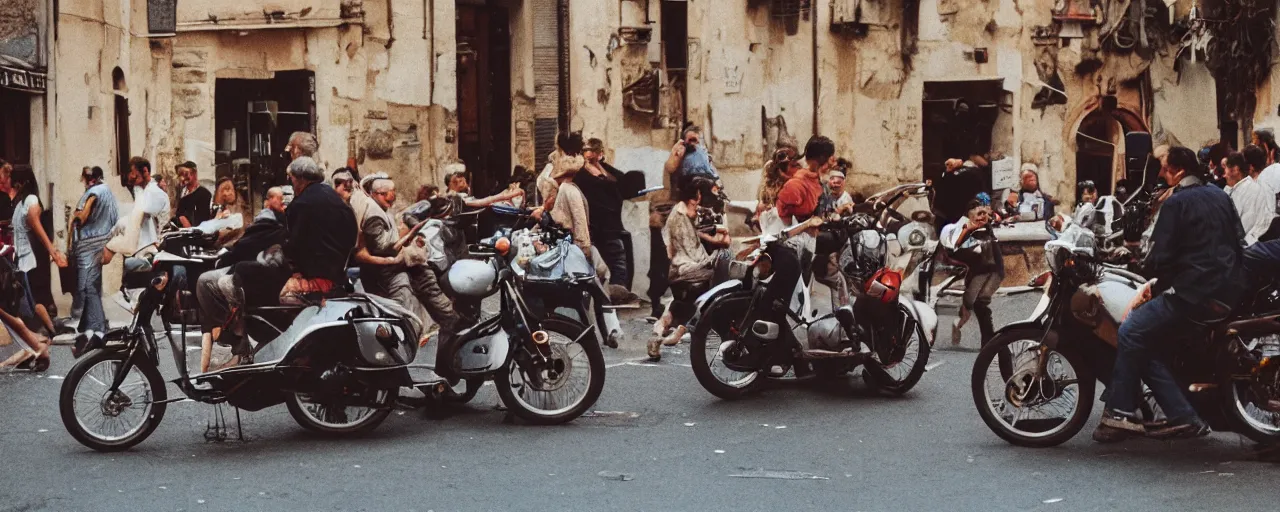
(22, 75)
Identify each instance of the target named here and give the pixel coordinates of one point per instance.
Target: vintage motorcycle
(737, 343)
(1034, 383)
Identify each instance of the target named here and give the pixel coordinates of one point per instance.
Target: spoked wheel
(713, 337)
(563, 388)
(1253, 405)
(327, 415)
(907, 358)
(1023, 404)
(107, 420)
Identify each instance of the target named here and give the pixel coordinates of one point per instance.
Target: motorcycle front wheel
(714, 333)
(109, 421)
(328, 416)
(563, 388)
(1024, 406)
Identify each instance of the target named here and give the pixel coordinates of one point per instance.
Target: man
(95, 216)
(690, 159)
(459, 186)
(1196, 264)
(322, 234)
(953, 191)
(797, 203)
(599, 183)
(1254, 202)
(193, 206)
(798, 199)
(153, 203)
(273, 206)
(835, 198)
(302, 144)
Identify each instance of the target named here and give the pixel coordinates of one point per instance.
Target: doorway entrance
(253, 120)
(15, 126)
(958, 119)
(1100, 147)
(484, 94)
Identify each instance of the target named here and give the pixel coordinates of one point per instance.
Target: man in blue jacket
(1196, 262)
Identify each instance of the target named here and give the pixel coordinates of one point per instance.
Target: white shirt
(1256, 204)
(1271, 176)
(22, 241)
(154, 203)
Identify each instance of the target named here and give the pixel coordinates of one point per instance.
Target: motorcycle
(1034, 383)
(736, 344)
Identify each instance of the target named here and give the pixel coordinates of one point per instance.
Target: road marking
(934, 365)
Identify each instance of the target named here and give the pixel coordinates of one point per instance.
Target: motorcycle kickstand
(216, 430)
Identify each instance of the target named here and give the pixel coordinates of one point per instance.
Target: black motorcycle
(1034, 383)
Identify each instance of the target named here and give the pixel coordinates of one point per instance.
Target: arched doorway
(1099, 144)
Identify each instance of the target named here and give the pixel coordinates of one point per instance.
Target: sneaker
(1117, 426)
(1183, 429)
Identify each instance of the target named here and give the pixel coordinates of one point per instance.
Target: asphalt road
(658, 442)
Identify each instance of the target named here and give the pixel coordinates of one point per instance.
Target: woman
(691, 264)
(227, 202)
(775, 176)
(1033, 201)
(972, 242)
(27, 232)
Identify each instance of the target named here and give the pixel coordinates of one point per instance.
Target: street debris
(720, 451)
(612, 475)
(780, 427)
(690, 424)
(1052, 500)
(777, 474)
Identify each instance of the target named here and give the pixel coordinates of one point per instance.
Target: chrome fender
(922, 313)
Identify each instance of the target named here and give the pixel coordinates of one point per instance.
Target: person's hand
(224, 214)
(723, 239)
(537, 213)
(814, 222)
(678, 150)
(185, 223)
(59, 259)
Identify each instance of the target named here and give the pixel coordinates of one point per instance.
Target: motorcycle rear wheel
(1246, 417)
(324, 419)
(1012, 348)
(538, 398)
(711, 333)
(893, 378)
(84, 392)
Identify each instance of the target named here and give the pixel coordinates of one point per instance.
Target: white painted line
(934, 365)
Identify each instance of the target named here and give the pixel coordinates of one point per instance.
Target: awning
(23, 80)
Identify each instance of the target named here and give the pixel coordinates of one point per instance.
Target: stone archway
(1097, 138)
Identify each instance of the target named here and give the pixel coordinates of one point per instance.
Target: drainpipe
(391, 26)
(429, 31)
(817, 83)
(562, 50)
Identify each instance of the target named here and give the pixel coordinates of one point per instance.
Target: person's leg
(1147, 326)
(1263, 260)
(38, 345)
(982, 305)
(438, 305)
(659, 266)
(132, 265)
(615, 256)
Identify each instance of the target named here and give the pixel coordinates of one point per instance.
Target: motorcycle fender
(1050, 339)
(705, 300)
(924, 314)
(383, 342)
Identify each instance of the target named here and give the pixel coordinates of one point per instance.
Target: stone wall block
(190, 76)
(190, 58)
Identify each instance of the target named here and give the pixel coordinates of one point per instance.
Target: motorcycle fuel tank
(473, 278)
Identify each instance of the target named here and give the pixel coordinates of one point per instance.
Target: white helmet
(473, 278)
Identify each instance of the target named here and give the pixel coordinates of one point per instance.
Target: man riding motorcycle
(1197, 271)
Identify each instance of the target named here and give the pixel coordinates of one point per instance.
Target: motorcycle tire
(998, 347)
(511, 392)
(1236, 417)
(719, 318)
(361, 426)
(66, 401)
(876, 377)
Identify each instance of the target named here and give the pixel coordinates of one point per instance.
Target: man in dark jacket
(604, 188)
(1196, 263)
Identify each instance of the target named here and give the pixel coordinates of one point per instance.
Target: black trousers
(659, 268)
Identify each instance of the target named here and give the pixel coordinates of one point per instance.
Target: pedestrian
(142, 229)
(1033, 202)
(95, 216)
(33, 348)
(953, 191)
(27, 233)
(227, 202)
(971, 241)
(6, 190)
(692, 266)
(302, 144)
(599, 183)
(194, 205)
(1254, 202)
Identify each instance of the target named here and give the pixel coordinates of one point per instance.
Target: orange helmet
(884, 285)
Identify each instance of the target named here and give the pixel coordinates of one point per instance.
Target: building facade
(411, 86)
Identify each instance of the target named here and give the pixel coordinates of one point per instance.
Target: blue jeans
(1151, 329)
(1263, 260)
(89, 292)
